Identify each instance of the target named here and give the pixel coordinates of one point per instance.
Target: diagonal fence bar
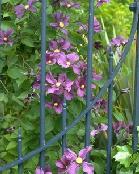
(43, 77)
(64, 125)
(110, 104)
(89, 71)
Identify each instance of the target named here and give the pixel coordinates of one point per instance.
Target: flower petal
(88, 168)
(85, 151)
(73, 168)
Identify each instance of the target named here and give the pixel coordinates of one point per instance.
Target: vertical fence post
(43, 76)
(20, 166)
(136, 94)
(89, 71)
(64, 124)
(110, 104)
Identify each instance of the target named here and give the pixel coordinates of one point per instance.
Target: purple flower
(71, 162)
(51, 59)
(119, 41)
(36, 84)
(69, 4)
(5, 37)
(59, 45)
(80, 84)
(20, 9)
(100, 2)
(84, 27)
(101, 128)
(61, 21)
(55, 104)
(96, 76)
(69, 60)
(59, 85)
(101, 104)
(79, 67)
(117, 126)
(94, 132)
(97, 27)
(47, 170)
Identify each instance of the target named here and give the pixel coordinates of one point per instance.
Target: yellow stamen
(58, 84)
(49, 61)
(61, 24)
(68, 5)
(82, 86)
(26, 7)
(68, 63)
(5, 39)
(79, 160)
(57, 51)
(56, 104)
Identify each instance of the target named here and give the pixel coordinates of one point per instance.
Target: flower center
(5, 39)
(49, 61)
(56, 51)
(79, 160)
(61, 24)
(82, 86)
(26, 7)
(58, 84)
(68, 63)
(68, 5)
(55, 104)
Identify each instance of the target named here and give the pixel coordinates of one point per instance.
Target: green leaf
(123, 156)
(15, 73)
(28, 41)
(11, 145)
(3, 97)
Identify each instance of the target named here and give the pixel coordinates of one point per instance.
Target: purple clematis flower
(84, 27)
(101, 128)
(119, 41)
(51, 59)
(69, 60)
(69, 4)
(5, 37)
(59, 85)
(61, 21)
(80, 84)
(101, 2)
(101, 104)
(60, 45)
(20, 9)
(36, 84)
(117, 126)
(97, 26)
(79, 67)
(96, 76)
(47, 170)
(71, 162)
(55, 104)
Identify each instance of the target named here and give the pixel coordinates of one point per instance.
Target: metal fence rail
(86, 113)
